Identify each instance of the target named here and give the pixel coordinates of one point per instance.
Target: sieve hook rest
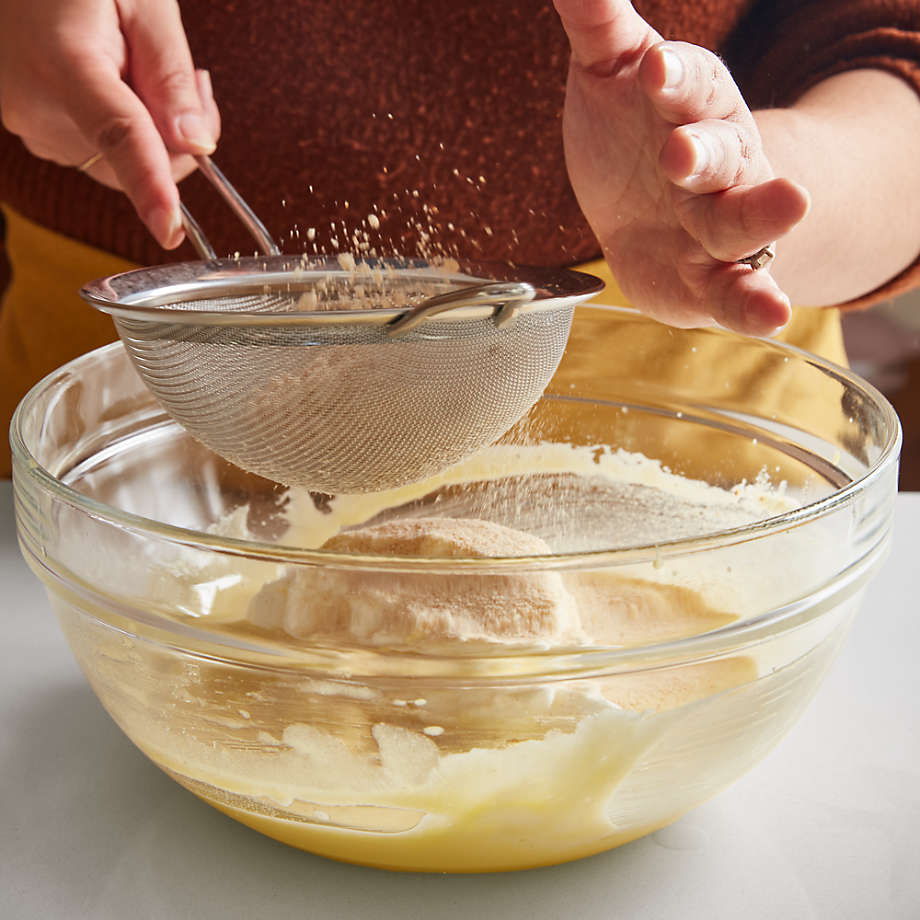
(507, 296)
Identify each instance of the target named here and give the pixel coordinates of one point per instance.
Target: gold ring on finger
(90, 162)
(760, 259)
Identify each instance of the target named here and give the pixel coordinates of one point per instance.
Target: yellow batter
(492, 768)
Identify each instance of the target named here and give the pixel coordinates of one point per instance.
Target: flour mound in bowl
(419, 608)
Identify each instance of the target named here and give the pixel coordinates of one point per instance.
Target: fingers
(51, 135)
(162, 74)
(709, 156)
(679, 189)
(601, 32)
(147, 131)
(746, 301)
(115, 123)
(716, 144)
(733, 296)
(724, 193)
(208, 103)
(739, 221)
(688, 83)
(113, 78)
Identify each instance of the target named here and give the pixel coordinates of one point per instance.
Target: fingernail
(166, 226)
(700, 155)
(673, 69)
(192, 127)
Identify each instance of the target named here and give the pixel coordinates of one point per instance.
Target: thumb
(163, 76)
(601, 32)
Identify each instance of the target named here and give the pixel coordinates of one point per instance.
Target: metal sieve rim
(149, 294)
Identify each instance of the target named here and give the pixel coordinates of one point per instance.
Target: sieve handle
(507, 296)
(247, 216)
(196, 235)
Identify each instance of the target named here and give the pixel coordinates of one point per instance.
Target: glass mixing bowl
(712, 579)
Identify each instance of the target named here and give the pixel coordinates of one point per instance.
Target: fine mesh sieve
(335, 376)
(334, 397)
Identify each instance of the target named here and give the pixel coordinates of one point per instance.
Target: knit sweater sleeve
(783, 47)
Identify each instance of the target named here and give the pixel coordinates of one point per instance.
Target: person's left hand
(668, 166)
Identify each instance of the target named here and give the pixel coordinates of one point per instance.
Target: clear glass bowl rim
(25, 463)
(552, 662)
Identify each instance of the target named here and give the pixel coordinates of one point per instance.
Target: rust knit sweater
(366, 102)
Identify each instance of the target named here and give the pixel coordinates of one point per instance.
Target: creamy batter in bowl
(558, 646)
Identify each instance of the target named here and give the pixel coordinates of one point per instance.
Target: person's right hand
(114, 77)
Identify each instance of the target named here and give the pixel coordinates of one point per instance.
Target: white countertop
(826, 827)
